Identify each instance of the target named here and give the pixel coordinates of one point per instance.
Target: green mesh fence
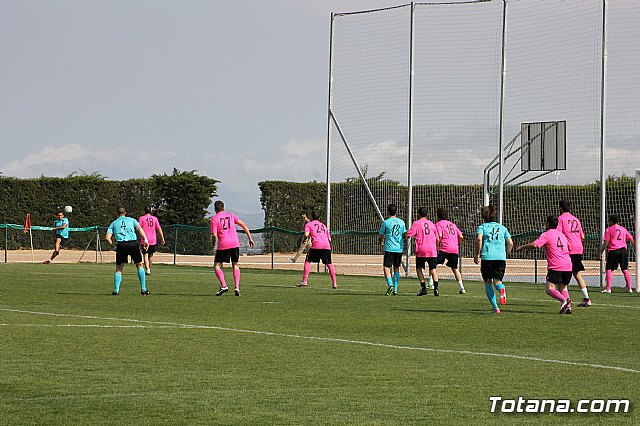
(354, 252)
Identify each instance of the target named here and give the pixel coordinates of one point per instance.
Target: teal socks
(117, 279)
(491, 295)
(142, 278)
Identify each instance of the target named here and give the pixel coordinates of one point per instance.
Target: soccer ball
(68, 209)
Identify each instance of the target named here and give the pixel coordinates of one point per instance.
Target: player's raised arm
(246, 231)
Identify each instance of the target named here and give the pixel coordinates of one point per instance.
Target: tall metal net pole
(603, 185)
(637, 233)
(328, 218)
(410, 150)
(501, 131)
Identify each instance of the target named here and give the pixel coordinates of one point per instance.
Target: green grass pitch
(70, 353)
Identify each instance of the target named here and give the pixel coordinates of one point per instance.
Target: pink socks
(220, 276)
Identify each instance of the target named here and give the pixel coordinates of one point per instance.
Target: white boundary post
(637, 237)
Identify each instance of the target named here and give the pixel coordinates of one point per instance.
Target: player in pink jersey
(450, 237)
(223, 228)
(571, 227)
(150, 225)
(615, 242)
(559, 265)
(320, 248)
(426, 236)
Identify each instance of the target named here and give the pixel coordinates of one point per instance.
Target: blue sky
(235, 90)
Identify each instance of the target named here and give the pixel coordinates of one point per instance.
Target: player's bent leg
(491, 295)
(502, 290)
(332, 274)
(236, 278)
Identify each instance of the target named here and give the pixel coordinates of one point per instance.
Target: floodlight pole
(410, 134)
(603, 184)
(502, 79)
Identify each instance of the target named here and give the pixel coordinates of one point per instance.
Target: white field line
(165, 324)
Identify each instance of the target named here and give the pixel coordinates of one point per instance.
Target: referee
(124, 230)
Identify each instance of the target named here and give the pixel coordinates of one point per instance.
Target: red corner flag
(27, 223)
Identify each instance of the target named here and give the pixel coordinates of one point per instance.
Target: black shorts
(126, 249)
(150, 250)
(317, 255)
(232, 254)
(421, 262)
(451, 258)
(392, 259)
(559, 277)
(63, 241)
(493, 269)
(618, 257)
(576, 263)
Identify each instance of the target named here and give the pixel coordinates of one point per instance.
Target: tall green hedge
(180, 197)
(526, 207)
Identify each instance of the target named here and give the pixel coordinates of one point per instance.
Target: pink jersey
(319, 235)
(450, 236)
(557, 249)
(571, 227)
(426, 236)
(150, 224)
(223, 227)
(617, 236)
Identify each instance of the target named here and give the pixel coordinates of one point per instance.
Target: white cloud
(62, 160)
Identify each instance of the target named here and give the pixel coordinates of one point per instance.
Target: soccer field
(71, 353)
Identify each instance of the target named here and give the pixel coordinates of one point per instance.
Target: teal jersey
(64, 233)
(124, 229)
(392, 229)
(494, 237)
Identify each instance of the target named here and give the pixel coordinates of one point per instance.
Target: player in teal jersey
(124, 229)
(391, 237)
(493, 243)
(60, 235)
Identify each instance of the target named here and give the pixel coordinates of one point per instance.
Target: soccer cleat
(585, 303)
(389, 290)
(462, 291)
(46, 262)
(496, 311)
(423, 292)
(147, 272)
(436, 292)
(629, 290)
(237, 292)
(568, 311)
(606, 291)
(395, 293)
(115, 293)
(503, 296)
(145, 292)
(301, 284)
(335, 285)
(565, 305)
(222, 291)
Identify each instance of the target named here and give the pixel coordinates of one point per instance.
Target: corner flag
(27, 223)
